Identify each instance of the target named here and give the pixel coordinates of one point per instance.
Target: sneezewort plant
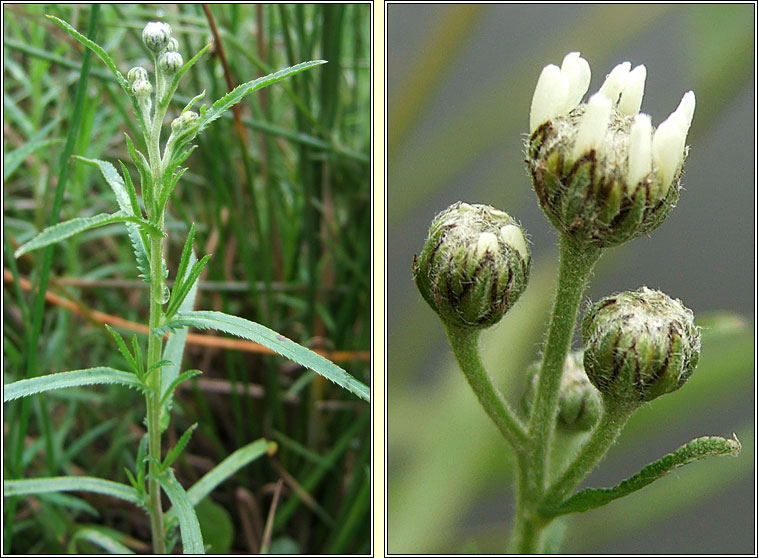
(603, 176)
(156, 374)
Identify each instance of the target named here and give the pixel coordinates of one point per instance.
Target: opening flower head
(601, 172)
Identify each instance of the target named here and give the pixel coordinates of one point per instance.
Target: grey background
(703, 254)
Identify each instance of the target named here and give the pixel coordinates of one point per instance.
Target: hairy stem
(603, 436)
(576, 264)
(154, 395)
(464, 343)
(154, 347)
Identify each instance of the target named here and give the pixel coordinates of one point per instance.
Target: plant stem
(464, 343)
(576, 263)
(154, 344)
(603, 436)
(154, 396)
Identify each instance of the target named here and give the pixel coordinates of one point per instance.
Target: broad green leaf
(192, 537)
(274, 341)
(74, 378)
(697, 449)
(216, 525)
(67, 484)
(99, 536)
(64, 230)
(239, 92)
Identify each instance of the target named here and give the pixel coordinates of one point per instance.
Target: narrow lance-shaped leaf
(68, 484)
(271, 339)
(94, 47)
(74, 378)
(67, 229)
(238, 93)
(174, 452)
(122, 348)
(186, 285)
(697, 449)
(192, 537)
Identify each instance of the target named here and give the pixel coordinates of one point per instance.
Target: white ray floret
(631, 95)
(615, 82)
(487, 242)
(670, 137)
(594, 124)
(513, 237)
(640, 149)
(559, 90)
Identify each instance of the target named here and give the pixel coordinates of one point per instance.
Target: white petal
(487, 242)
(640, 146)
(631, 96)
(668, 150)
(594, 125)
(549, 97)
(616, 81)
(577, 72)
(513, 237)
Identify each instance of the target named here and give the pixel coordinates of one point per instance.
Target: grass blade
(274, 341)
(74, 378)
(68, 484)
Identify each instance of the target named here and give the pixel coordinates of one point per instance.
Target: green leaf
(697, 449)
(178, 76)
(175, 348)
(68, 484)
(186, 286)
(174, 452)
(233, 463)
(64, 230)
(239, 92)
(96, 48)
(122, 348)
(192, 537)
(74, 378)
(106, 539)
(216, 525)
(271, 339)
(183, 377)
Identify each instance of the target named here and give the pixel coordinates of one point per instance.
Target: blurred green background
(460, 81)
(283, 204)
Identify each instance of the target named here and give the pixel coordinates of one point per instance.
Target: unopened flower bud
(579, 403)
(474, 265)
(172, 44)
(639, 345)
(602, 174)
(137, 73)
(142, 88)
(184, 127)
(156, 35)
(170, 61)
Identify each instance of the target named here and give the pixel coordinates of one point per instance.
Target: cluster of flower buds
(639, 345)
(579, 403)
(474, 265)
(600, 171)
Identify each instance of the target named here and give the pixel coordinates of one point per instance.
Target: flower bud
(579, 403)
(156, 35)
(142, 88)
(600, 171)
(474, 265)
(170, 61)
(172, 44)
(137, 73)
(639, 345)
(184, 127)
